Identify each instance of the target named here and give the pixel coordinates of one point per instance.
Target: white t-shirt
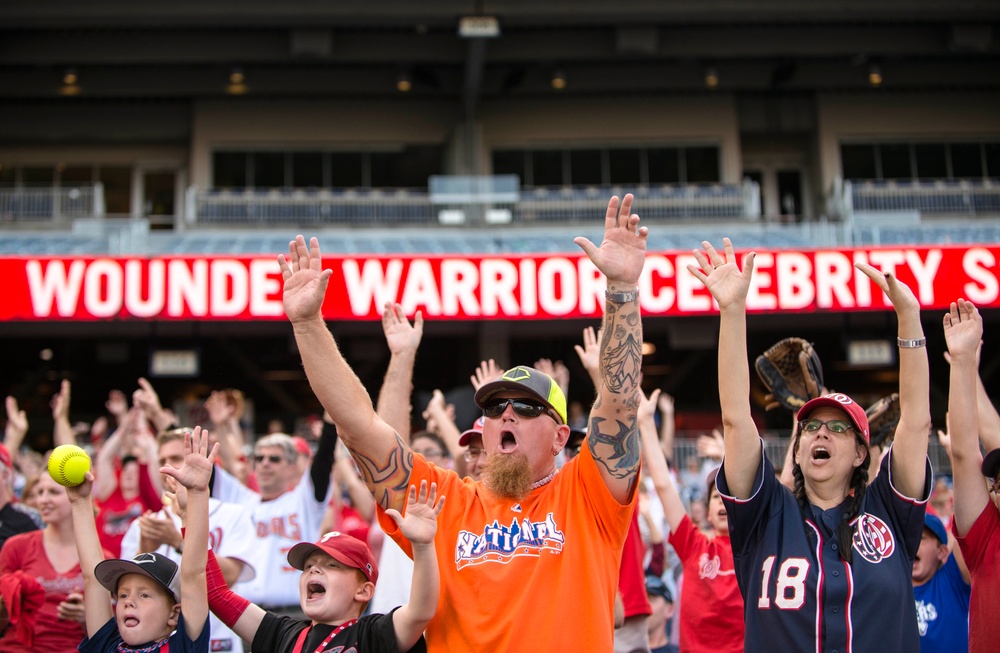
(230, 534)
(280, 524)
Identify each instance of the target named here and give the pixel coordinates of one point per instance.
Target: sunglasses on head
(523, 407)
(274, 460)
(833, 426)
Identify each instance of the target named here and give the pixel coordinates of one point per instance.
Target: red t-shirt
(631, 576)
(26, 552)
(116, 513)
(981, 549)
(711, 603)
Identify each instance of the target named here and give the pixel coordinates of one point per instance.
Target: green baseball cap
(529, 380)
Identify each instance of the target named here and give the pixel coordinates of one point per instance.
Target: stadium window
(547, 168)
(966, 161)
(585, 168)
(117, 182)
(664, 165)
(76, 175)
(38, 175)
(625, 166)
(895, 160)
(510, 162)
(701, 164)
(268, 170)
(307, 169)
(858, 161)
(992, 151)
(346, 169)
(229, 169)
(932, 160)
(407, 169)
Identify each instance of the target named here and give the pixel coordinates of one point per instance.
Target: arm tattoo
(621, 353)
(387, 478)
(623, 460)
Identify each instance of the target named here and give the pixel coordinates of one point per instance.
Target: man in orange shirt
(515, 547)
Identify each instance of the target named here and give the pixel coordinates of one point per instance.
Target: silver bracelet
(911, 343)
(622, 297)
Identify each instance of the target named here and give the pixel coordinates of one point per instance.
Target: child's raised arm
(194, 476)
(96, 603)
(419, 525)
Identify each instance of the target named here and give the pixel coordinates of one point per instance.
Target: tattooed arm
(383, 458)
(613, 436)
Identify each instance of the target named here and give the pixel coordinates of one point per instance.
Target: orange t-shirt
(539, 574)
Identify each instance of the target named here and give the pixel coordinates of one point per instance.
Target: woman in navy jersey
(826, 566)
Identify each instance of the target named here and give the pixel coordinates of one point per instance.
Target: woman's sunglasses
(523, 407)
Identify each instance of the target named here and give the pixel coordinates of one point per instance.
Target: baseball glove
(792, 372)
(883, 416)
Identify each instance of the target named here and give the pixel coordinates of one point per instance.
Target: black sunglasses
(523, 407)
(274, 460)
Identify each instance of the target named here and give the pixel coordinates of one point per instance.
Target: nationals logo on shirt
(501, 543)
(873, 539)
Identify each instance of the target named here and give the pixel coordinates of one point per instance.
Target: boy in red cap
(338, 578)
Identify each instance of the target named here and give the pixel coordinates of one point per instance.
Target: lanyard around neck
(300, 642)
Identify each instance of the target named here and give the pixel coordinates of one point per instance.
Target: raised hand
(647, 405)
(305, 280)
(486, 372)
(623, 250)
(146, 398)
(899, 293)
(666, 404)
(117, 404)
(60, 401)
(82, 491)
(557, 370)
(198, 461)
(400, 335)
(218, 408)
(590, 352)
(420, 523)
(17, 420)
(721, 274)
(963, 330)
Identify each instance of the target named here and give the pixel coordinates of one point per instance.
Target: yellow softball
(68, 465)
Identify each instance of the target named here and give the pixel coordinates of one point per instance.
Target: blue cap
(936, 526)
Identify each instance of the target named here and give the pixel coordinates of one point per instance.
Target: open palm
(420, 522)
(721, 274)
(963, 329)
(623, 251)
(305, 280)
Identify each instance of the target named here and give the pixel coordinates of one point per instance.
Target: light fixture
(403, 83)
(874, 75)
(711, 78)
(559, 79)
(648, 349)
(237, 81)
(70, 77)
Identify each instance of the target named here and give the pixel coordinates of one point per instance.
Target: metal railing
(51, 203)
(927, 197)
(465, 203)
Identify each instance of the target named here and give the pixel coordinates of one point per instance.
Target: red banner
(477, 287)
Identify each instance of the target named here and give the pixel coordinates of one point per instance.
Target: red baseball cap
(477, 429)
(302, 446)
(5, 457)
(839, 400)
(341, 547)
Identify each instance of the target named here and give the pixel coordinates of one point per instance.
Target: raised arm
(96, 600)
(729, 286)
(419, 526)
(909, 451)
(62, 430)
(442, 423)
(403, 339)
(613, 434)
(590, 354)
(989, 418)
(147, 399)
(15, 429)
(194, 476)
(654, 463)
(383, 457)
(963, 329)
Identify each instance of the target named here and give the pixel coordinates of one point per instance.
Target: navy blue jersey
(799, 595)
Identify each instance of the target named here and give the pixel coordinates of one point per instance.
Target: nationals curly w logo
(873, 539)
